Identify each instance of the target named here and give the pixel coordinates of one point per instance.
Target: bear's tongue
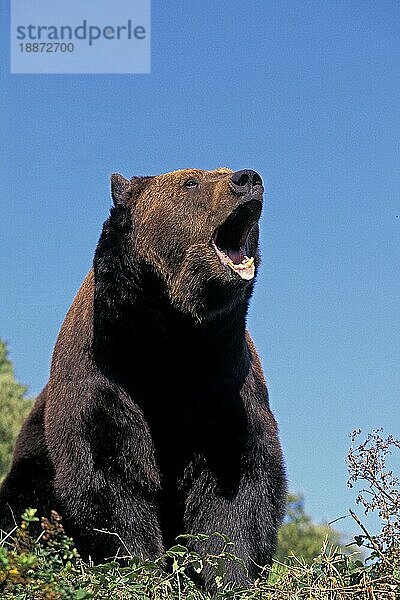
(236, 256)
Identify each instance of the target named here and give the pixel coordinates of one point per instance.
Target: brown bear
(155, 420)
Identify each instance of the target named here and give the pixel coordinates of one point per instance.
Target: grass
(50, 568)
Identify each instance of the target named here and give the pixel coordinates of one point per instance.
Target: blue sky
(306, 93)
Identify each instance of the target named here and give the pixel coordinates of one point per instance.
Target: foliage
(368, 465)
(300, 537)
(14, 407)
(50, 568)
(42, 568)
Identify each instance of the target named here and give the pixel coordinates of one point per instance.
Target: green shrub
(14, 407)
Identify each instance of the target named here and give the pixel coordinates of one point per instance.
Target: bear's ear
(120, 189)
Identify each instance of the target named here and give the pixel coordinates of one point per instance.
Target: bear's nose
(243, 181)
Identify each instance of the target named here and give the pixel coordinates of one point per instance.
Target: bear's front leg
(105, 514)
(106, 484)
(246, 504)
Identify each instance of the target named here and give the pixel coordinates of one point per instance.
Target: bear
(155, 420)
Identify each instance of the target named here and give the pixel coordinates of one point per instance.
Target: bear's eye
(191, 183)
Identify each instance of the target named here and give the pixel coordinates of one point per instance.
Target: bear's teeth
(245, 269)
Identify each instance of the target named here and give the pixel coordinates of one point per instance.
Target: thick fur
(156, 420)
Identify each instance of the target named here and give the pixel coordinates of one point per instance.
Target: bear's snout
(244, 181)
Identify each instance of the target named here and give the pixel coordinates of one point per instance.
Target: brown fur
(156, 419)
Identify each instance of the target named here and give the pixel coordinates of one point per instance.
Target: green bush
(300, 537)
(14, 406)
(50, 568)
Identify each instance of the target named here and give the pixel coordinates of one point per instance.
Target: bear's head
(197, 232)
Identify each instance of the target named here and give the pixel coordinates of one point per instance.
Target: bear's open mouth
(230, 240)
